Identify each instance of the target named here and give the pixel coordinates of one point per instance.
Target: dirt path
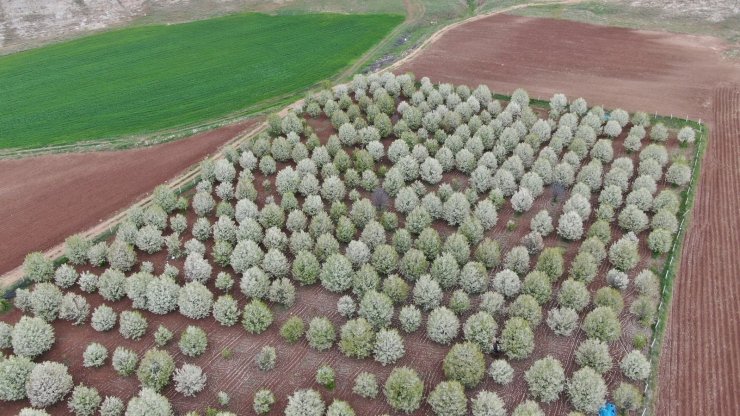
(414, 11)
(650, 71)
(45, 199)
(701, 354)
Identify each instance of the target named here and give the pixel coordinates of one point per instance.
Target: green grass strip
(145, 79)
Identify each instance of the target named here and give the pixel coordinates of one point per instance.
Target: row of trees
(387, 262)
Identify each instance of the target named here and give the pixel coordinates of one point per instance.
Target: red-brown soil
(700, 364)
(45, 199)
(615, 67)
(658, 72)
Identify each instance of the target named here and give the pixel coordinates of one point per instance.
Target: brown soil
(45, 199)
(615, 67)
(665, 73)
(700, 364)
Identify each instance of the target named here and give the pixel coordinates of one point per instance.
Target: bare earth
(616, 67)
(656, 72)
(29, 23)
(62, 194)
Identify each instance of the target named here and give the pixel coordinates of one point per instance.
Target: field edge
(673, 264)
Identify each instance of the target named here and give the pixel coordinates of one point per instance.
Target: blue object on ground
(608, 409)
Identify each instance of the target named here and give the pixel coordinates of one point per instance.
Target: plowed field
(45, 199)
(651, 71)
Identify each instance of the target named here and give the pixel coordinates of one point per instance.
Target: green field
(151, 78)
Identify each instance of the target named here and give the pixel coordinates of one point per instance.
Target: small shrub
(48, 383)
(366, 385)
(84, 400)
(325, 376)
(321, 334)
(587, 390)
(635, 366)
(501, 372)
(155, 369)
(189, 380)
(448, 399)
(162, 336)
(266, 358)
(32, 337)
(517, 338)
(193, 341)
(306, 402)
(124, 361)
(132, 325)
(94, 355)
(263, 401)
(403, 389)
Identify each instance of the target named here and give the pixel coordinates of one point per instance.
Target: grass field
(150, 78)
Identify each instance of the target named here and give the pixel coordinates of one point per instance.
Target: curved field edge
(147, 79)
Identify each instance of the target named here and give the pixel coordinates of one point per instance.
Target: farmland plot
(144, 79)
(449, 244)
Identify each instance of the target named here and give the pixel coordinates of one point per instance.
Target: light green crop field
(150, 78)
